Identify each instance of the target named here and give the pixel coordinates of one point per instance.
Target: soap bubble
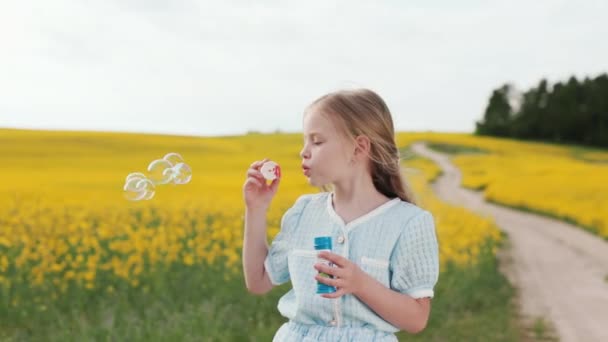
(173, 158)
(157, 171)
(137, 188)
(147, 187)
(170, 169)
(135, 175)
(182, 173)
(132, 180)
(134, 195)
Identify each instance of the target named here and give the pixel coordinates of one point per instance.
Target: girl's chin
(311, 181)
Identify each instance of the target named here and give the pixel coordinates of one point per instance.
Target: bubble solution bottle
(323, 243)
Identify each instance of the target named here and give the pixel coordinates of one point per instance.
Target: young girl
(385, 252)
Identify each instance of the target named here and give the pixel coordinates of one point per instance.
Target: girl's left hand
(348, 277)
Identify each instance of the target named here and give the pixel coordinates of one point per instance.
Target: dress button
(332, 322)
(340, 239)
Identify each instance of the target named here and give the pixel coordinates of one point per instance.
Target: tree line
(571, 112)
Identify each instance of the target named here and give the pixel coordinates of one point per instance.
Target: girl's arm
(399, 309)
(255, 250)
(257, 194)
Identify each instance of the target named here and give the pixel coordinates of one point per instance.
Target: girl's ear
(362, 146)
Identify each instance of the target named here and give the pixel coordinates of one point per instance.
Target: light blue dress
(395, 243)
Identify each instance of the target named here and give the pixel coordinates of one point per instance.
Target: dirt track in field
(559, 270)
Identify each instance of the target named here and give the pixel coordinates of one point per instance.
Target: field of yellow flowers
(566, 182)
(78, 259)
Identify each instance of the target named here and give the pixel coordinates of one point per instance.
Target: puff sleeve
(276, 260)
(415, 260)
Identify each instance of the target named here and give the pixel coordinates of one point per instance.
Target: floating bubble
(134, 195)
(131, 184)
(138, 195)
(170, 169)
(137, 188)
(131, 181)
(182, 173)
(173, 158)
(135, 175)
(147, 187)
(156, 171)
(270, 170)
(170, 173)
(148, 195)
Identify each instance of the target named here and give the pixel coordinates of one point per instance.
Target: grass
(540, 328)
(582, 153)
(577, 147)
(456, 149)
(182, 304)
(472, 304)
(194, 303)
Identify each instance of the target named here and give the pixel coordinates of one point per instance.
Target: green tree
(497, 116)
(573, 112)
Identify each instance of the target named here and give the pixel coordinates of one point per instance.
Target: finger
(326, 280)
(257, 164)
(253, 182)
(339, 293)
(335, 258)
(255, 173)
(335, 271)
(255, 167)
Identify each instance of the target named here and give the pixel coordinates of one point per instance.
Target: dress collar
(374, 212)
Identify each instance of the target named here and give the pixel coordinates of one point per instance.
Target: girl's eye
(317, 143)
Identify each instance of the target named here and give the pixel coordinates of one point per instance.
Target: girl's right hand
(256, 192)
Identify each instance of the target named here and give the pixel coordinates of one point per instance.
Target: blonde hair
(363, 112)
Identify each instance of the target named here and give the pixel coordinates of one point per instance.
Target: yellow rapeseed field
(64, 222)
(566, 182)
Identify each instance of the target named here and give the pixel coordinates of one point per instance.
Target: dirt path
(560, 270)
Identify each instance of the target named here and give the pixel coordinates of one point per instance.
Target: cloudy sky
(227, 67)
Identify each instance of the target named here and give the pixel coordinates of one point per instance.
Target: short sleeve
(415, 260)
(276, 260)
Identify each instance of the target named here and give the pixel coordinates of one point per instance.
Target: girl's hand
(256, 192)
(348, 277)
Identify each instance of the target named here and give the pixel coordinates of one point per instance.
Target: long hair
(363, 112)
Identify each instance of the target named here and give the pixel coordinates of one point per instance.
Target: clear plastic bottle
(323, 243)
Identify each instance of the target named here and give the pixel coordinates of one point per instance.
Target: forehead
(317, 124)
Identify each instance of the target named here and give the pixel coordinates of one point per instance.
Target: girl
(385, 252)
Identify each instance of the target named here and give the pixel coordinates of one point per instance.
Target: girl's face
(325, 155)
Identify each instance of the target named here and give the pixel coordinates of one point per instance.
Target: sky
(229, 67)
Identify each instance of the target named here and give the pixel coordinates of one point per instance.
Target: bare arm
(399, 309)
(258, 195)
(255, 249)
